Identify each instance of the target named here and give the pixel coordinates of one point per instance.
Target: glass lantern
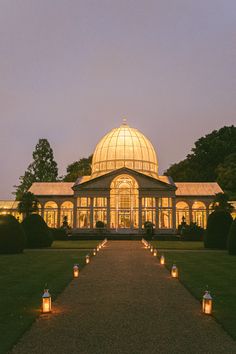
(46, 302)
(174, 271)
(162, 260)
(76, 271)
(207, 303)
(87, 259)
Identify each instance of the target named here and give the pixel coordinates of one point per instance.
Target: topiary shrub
(37, 232)
(191, 232)
(12, 236)
(218, 225)
(149, 229)
(232, 238)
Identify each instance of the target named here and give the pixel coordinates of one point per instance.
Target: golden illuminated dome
(124, 147)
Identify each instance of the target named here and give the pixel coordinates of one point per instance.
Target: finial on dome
(124, 121)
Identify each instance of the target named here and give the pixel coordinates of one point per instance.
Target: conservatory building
(125, 190)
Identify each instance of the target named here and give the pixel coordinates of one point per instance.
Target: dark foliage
(100, 224)
(28, 204)
(218, 225)
(59, 234)
(191, 232)
(211, 159)
(12, 236)
(37, 232)
(42, 169)
(232, 238)
(78, 169)
(149, 229)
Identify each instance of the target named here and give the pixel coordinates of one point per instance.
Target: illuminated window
(165, 219)
(67, 209)
(199, 213)
(51, 213)
(148, 203)
(100, 202)
(182, 213)
(124, 202)
(83, 202)
(164, 202)
(83, 218)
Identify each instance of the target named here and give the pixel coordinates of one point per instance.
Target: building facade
(124, 191)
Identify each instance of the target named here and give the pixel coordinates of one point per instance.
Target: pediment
(144, 181)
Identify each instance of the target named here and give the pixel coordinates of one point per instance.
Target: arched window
(51, 213)
(124, 202)
(199, 213)
(182, 213)
(67, 213)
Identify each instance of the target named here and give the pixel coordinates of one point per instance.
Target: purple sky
(70, 70)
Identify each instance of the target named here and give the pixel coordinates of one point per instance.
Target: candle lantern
(149, 246)
(76, 271)
(207, 303)
(87, 259)
(94, 251)
(46, 302)
(162, 259)
(98, 248)
(151, 249)
(155, 252)
(174, 271)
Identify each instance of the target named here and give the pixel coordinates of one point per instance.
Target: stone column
(108, 213)
(75, 214)
(58, 214)
(140, 214)
(157, 215)
(174, 213)
(91, 213)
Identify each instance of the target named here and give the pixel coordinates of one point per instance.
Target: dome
(124, 147)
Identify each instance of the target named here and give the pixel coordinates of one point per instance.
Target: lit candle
(94, 252)
(87, 259)
(155, 252)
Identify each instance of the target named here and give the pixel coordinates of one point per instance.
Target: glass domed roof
(124, 147)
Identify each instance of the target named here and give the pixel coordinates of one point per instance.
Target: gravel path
(125, 302)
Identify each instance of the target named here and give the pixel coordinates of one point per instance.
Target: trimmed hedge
(59, 234)
(191, 232)
(37, 232)
(232, 238)
(12, 236)
(218, 225)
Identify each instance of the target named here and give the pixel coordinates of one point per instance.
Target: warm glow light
(94, 251)
(162, 259)
(151, 249)
(46, 302)
(174, 271)
(76, 271)
(98, 248)
(155, 252)
(207, 303)
(87, 259)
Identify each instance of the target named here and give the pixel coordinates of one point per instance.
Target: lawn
(218, 271)
(75, 244)
(179, 245)
(22, 279)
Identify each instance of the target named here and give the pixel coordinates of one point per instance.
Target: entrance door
(124, 219)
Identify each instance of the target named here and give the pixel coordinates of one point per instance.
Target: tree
(78, 169)
(42, 169)
(37, 232)
(211, 159)
(221, 202)
(28, 204)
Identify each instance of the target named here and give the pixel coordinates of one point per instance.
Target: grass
(22, 279)
(218, 271)
(179, 245)
(75, 244)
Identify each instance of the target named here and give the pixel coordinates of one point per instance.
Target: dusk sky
(70, 70)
